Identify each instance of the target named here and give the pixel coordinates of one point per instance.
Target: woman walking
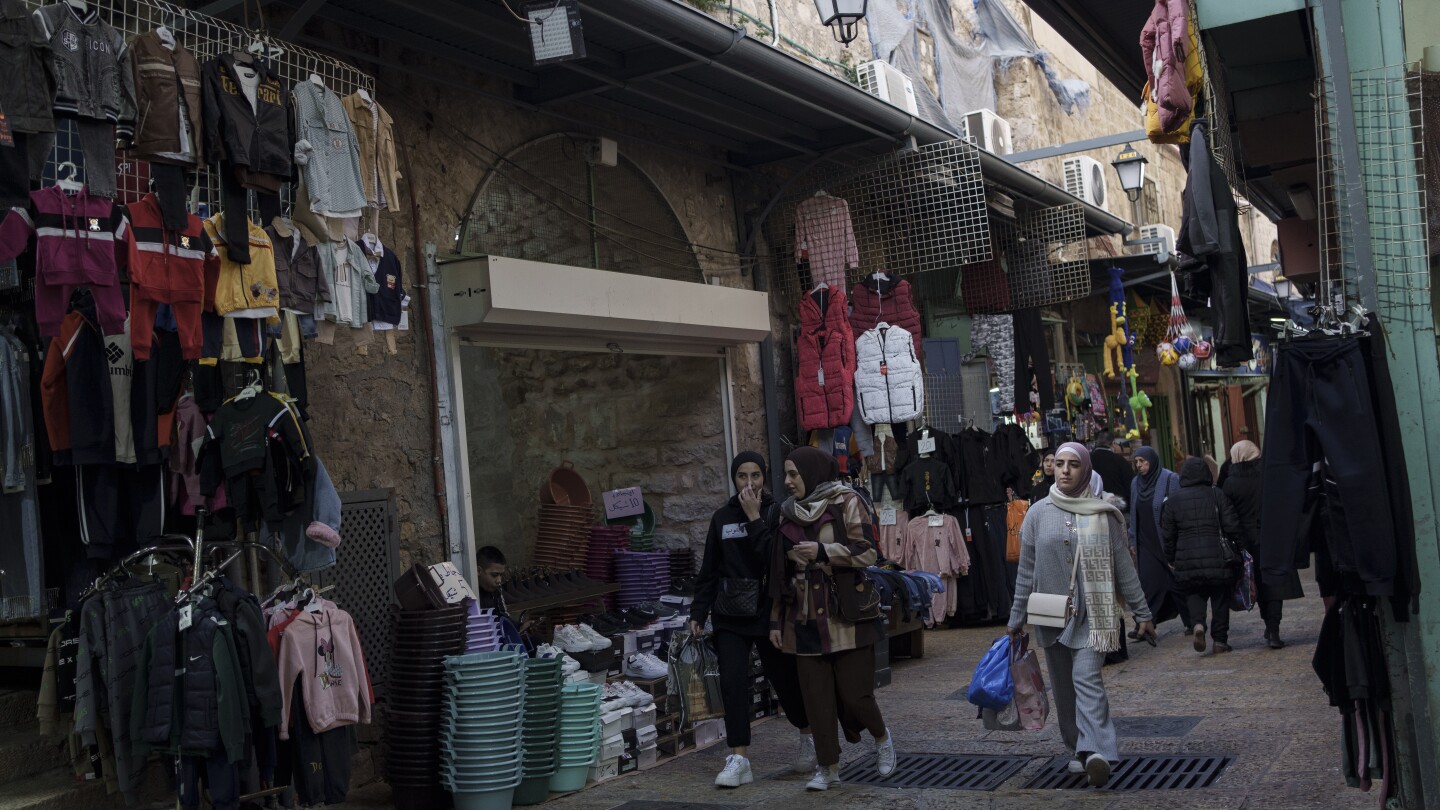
(1152, 485)
(1191, 523)
(730, 592)
(1073, 535)
(1244, 488)
(1047, 467)
(826, 534)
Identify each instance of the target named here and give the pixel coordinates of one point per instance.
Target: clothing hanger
(67, 182)
(822, 193)
(364, 96)
(254, 387)
(317, 81)
(80, 6)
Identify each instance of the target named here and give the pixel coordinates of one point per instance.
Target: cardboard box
(647, 758)
(643, 716)
(605, 769)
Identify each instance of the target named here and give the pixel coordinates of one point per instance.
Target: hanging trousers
(839, 688)
(1218, 598)
(1320, 406)
(168, 181)
(1080, 700)
(96, 141)
(733, 650)
(1032, 356)
(221, 778)
(318, 765)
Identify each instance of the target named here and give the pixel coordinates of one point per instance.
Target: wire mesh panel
(367, 565)
(1390, 136)
(206, 37)
(907, 213)
(1041, 259)
(945, 400)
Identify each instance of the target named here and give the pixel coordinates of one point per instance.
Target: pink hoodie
(323, 650)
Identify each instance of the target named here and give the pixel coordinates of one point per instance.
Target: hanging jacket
(258, 139)
(979, 470)
(926, 483)
(189, 698)
(90, 64)
(1210, 230)
(327, 152)
(259, 673)
(28, 89)
(166, 267)
(167, 101)
(1191, 522)
(875, 300)
(1164, 45)
(76, 389)
(245, 290)
(375, 131)
(321, 649)
(349, 282)
(389, 296)
(889, 385)
(937, 549)
(825, 384)
(297, 268)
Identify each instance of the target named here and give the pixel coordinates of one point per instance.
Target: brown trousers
(839, 687)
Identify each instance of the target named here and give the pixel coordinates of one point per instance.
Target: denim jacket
(90, 63)
(27, 90)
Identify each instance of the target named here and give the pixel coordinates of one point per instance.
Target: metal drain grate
(1147, 772)
(1177, 726)
(937, 771)
(644, 805)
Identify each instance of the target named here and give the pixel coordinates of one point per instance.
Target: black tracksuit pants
(735, 682)
(1321, 407)
(1218, 598)
(1032, 355)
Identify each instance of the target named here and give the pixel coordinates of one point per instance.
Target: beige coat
(377, 151)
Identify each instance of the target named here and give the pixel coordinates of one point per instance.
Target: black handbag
(855, 597)
(738, 598)
(1229, 555)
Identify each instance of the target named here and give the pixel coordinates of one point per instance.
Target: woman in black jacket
(1192, 521)
(731, 592)
(1244, 488)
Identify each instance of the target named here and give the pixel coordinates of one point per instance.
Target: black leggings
(736, 679)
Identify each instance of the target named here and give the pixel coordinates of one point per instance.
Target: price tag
(822, 377)
(969, 537)
(936, 521)
(185, 617)
(887, 516)
(927, 445)
(621, 503)
(7, 138)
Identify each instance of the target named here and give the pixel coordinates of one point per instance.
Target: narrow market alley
(1263, 709)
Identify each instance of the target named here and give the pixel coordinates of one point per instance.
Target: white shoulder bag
(1054, 609)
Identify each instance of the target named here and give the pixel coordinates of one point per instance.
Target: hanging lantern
(842, 16)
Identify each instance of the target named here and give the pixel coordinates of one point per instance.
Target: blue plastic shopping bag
(992, 687)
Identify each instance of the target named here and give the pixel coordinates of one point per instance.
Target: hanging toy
(1074, 396)
(1115, 344)
(1139, 405)
(1178, 342)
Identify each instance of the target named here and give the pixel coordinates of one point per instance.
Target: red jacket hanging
(888, 300)
(825, 384)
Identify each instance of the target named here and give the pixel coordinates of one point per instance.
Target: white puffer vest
(889, 384)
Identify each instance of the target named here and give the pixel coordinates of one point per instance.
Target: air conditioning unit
(1085, 178)
(885, 82)
(1165, 234)
(988, 131)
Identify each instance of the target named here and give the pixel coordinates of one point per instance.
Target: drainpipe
(774, 26)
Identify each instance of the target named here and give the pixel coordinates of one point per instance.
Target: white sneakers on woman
(825, 776)
(805, 757)
(885, 755)
(736, 772)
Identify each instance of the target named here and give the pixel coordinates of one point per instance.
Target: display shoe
(602, 624)
(569, 639)
(598, 641)
(805, 757)
(885, 755)
(1199, 638)
(1097, 770)
(1272, 640)
(658, 609)
(645, 666)
(825, 776)
(634, 695)
(736, 772)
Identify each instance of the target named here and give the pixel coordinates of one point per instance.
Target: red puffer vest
(825, 385)
(885, 300)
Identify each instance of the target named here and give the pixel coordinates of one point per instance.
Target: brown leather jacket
(161, 76)
(377, 150)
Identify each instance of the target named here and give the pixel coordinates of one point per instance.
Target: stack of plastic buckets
(482, 630)
(480, 732)
(540, 729)
(579, 736)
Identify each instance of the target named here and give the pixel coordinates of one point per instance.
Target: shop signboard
(623, 503)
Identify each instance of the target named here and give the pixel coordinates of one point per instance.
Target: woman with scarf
(1244, 488)
(1148, 491)
(730, 591)
(1042, 486)
(1191, 524)
(826, 533)
(1074, 529)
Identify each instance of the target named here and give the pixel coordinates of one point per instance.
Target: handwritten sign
(622, 503)
(887, 516)
(927, 445)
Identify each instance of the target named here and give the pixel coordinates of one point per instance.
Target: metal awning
(687, 77)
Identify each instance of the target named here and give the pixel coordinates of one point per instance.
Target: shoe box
(647, 758)
(613, 723)
(640, 641)
(643, 717)
(708, 732)
(604, 770)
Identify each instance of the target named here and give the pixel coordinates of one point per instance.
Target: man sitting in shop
(491, 579)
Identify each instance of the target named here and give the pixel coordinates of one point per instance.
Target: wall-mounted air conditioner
(1164, 233)
(883, 81)
(988, 131)
(1085, 178)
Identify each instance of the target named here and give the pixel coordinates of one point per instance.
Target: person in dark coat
(1152, 485)
(1041, 488)
(1114, 469)
(737, 556)
(1244, 487)
(1191, 523)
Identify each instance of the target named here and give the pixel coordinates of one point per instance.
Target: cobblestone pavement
(1264, 708)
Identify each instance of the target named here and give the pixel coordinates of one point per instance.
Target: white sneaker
(736, 773)
(645, 667)
(805, 757)
(885, 755)
(597, 641)
(634, 696)
(1075, 766)
(569, 640)
(824, 777)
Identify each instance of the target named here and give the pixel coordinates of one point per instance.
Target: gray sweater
(1046, 557)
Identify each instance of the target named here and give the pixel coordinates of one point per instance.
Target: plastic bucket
(569, 778)
(532, 790)
(484, 800)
